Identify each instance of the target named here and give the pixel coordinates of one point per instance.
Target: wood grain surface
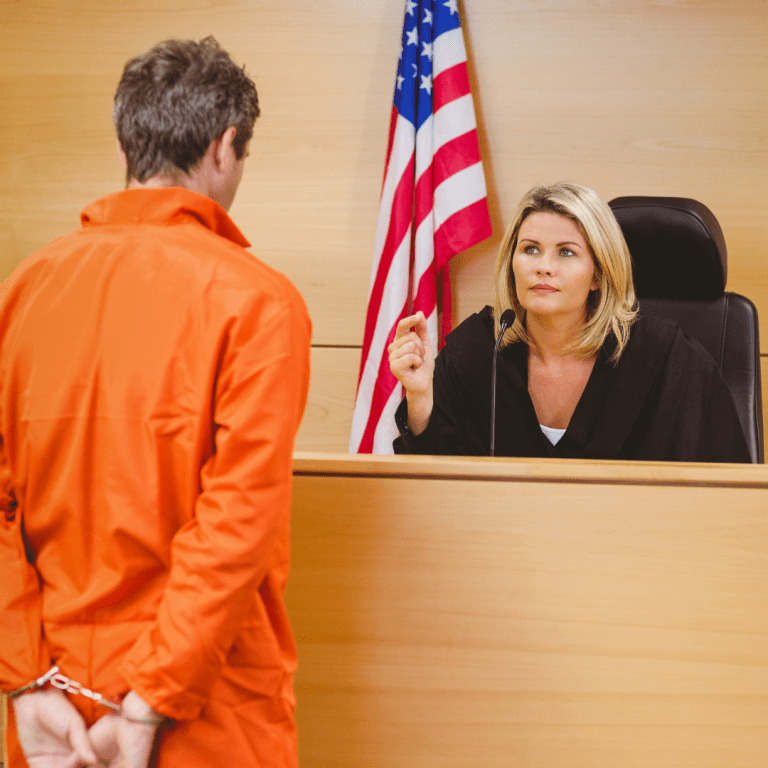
(516, 619)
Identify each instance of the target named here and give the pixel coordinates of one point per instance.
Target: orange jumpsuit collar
(163, 205)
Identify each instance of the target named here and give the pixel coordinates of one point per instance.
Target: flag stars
(452, 6)
(426, 83)
(413, 37)
(400, 80)
(415, 70)
(427, 17)
(427, 51)
(409, 6)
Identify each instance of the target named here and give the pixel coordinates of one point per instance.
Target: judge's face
(553, 268)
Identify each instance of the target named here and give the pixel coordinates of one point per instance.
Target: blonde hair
(611, 308)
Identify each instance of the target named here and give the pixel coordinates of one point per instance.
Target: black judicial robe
(665, 400)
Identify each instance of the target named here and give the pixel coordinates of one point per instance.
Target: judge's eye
(530, 249)
(567, 252)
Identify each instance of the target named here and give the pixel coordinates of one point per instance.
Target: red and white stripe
(434, 194)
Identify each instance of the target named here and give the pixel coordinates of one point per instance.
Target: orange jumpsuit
(153, 375)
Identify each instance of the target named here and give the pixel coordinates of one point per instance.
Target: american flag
(433, 205)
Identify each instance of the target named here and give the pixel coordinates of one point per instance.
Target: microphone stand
(507, 318)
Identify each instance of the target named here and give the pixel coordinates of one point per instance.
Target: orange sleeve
(220, 557)
(25, 655)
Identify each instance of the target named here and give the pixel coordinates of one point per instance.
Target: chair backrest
(679, 264)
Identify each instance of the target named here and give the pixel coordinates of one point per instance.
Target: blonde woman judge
(580, 372)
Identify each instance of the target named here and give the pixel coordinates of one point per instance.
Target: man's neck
(158, 181)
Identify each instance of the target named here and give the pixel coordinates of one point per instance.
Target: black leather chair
(679, 262)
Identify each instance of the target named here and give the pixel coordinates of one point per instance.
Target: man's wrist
(137, 710)
(34, 685)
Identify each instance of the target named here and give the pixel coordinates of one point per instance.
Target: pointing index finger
(407, 323)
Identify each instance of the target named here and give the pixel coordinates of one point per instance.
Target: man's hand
(51, 731)
(125, 741)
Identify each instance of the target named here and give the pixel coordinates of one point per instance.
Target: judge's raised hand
(410, 355)
(412, 362)
(51, 731)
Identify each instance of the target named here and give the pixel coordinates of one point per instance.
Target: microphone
(507, 318)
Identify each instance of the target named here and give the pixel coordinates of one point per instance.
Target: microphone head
(507, 317)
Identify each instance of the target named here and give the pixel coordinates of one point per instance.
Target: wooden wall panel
(309, 197)
(627, 97)
(328, 418)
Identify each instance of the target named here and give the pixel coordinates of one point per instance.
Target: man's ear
(121, 154)
(221, 150)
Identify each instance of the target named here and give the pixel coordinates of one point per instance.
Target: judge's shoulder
(652, 335)
(471, 342)
(475, 329)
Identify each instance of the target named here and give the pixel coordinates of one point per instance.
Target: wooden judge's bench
(462, 613)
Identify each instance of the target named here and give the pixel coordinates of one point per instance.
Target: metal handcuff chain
(63, 683)
(66, 684)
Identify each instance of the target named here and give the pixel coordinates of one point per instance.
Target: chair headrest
(677, 247)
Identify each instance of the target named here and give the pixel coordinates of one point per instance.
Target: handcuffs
(64, 683)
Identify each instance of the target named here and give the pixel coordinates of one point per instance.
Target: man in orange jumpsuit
(153, 375)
